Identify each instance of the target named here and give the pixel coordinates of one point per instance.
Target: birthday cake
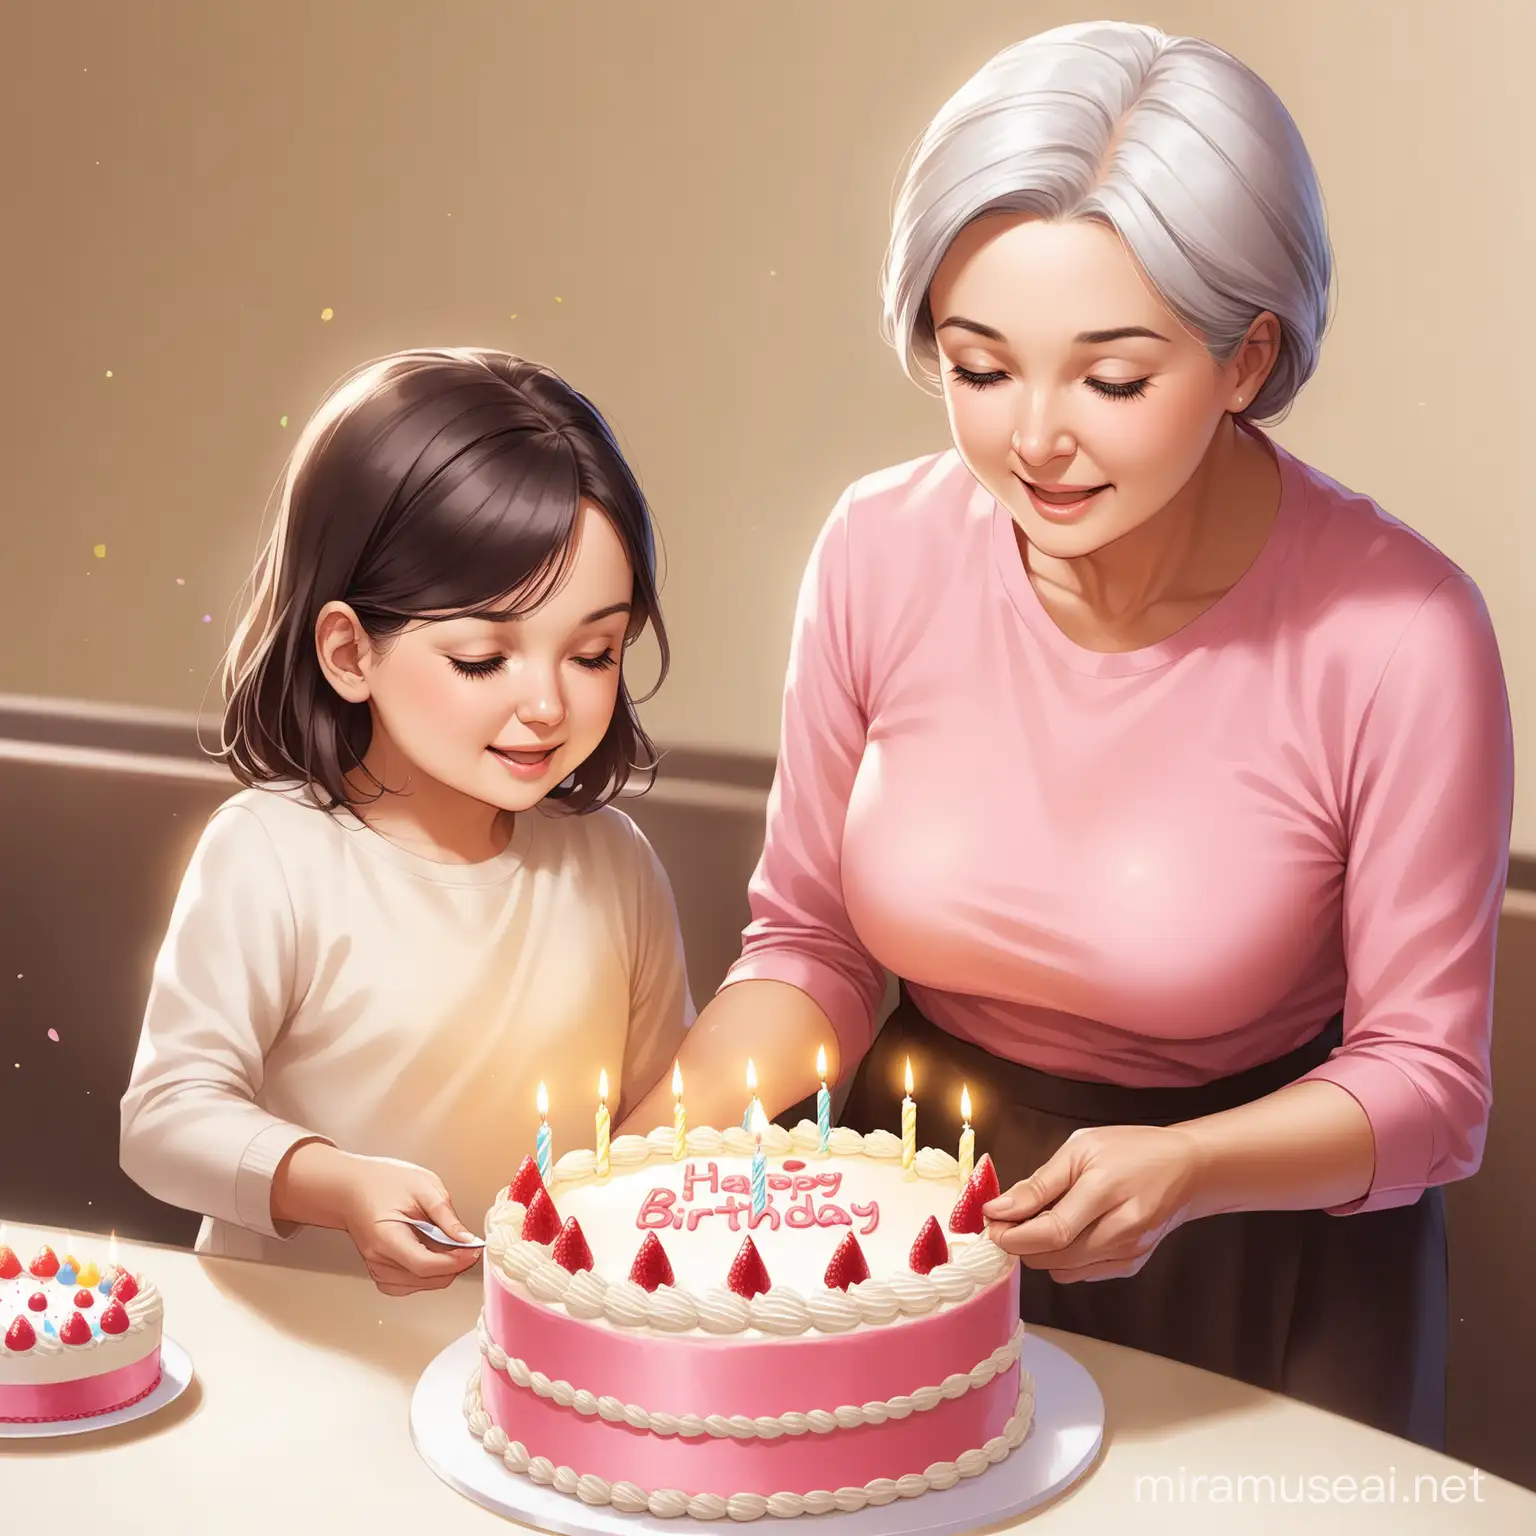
(77, 1342)
(702, 1329)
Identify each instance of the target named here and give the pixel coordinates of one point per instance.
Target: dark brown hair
(429, 484)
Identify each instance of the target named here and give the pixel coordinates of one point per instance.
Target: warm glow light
(602, 1085)
(909, 1077)
(965, 1104)
(751, 1075)
(543, 1100)
(677, 1079)
(821, 1062)
(759, 1121)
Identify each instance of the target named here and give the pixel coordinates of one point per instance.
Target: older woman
(1172, 778)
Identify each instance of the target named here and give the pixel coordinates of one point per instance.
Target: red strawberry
(930, 1250)
(10, 1265)
(84, 1298)
(848, 1265)
(652, 1267)
(542, 1223)
(125, 1287)
(526, 1183)
(46, 1265)
(966, 1216)
(570, 1250)
(19, 1336)
(749, 1275)
(114, 1319)
(76, 1330)
(984, 1177)
(38, 1302)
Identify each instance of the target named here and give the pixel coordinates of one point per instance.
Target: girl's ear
(341, 644)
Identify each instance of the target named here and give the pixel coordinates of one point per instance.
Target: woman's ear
(341, 644)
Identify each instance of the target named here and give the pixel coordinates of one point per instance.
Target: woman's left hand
(1102, 1204)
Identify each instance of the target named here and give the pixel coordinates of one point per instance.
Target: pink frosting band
(753, 1374)
(56, 1401)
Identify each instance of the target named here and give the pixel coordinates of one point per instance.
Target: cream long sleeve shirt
(318, 981)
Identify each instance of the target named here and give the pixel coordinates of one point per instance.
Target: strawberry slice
(114, 1319)
(46, 1265)
(652, 1267)
(38, 1302)
(542, 1223)
(20, 1335)
(125, 1287)
(10, 1265)
(570, 1250)
(749, 1275)
(984, 1177)
(76, 1330)
(84, 1298)
(930, 1250)
(966, 1216)
(848, 1266)
(525, 1183)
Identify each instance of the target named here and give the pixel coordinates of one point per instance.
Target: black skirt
(1348, 1313)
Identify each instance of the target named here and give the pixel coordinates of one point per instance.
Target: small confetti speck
(511, 317)
(773, 274)
(109, 373)
(282, 421)
(207, 618)
(100, 551)
(181, 581)
(327, 312)
(53, 1035)
(558, 299)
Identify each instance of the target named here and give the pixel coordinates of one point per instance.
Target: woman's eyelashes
(1105, 388)
(489, 666)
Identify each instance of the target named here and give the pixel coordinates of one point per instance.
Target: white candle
(967, 1136)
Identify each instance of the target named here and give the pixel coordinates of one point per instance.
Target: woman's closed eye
(1107, 389)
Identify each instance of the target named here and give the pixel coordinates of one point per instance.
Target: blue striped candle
(759, 1168)
(823, 1101)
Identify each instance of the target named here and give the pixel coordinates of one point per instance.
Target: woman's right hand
(371, 1199)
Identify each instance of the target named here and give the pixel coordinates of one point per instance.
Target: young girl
(421, 904)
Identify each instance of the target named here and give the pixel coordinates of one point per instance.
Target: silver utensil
(437, 1234)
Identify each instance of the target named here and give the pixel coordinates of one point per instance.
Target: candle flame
(543, 1100)
(909, 1077)
(821, 1062)
(965, 1104)
(677, 1079)
(751, 1075)
(602, 1085)
(759, 1121)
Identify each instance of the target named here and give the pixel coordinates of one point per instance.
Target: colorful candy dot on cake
(966, 1216)
(984, 1177)
(70, 1260)
(525, 1183)
(749, 1275)
(125, 1287)
(652, 1267)
(10, 1265)
(46, 1265)
(38, 1302)
(114, 1319)
(848, 1265)
(75, 1331)
(570, 1250)
(84, 1297)
(49, 1329)
(20, 1335)
(66, 1274)
(930, 1250)
(541, 1224)
(90, 1276)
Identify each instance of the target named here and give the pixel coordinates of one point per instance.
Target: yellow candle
(908, 1124)
(602, 1125)
(679, 1119)
(967, 1136)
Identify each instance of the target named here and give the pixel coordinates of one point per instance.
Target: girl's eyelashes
(488, 666)
(1130, 390)
(596, 663)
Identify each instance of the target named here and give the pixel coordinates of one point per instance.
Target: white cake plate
(175, 1378)
(1061, 1445)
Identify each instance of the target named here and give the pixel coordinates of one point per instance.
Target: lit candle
(602, 1125)
(967, 1136)
(746, 1119)
(823, 1100)
(679, 1119)
(908, 1125)
(759, 1165)
(542, 1144)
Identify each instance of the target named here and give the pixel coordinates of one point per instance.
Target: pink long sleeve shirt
(1160, 866)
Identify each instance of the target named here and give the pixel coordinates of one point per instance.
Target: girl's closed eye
(488, 666)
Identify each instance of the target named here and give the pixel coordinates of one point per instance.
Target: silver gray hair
(1181, 149)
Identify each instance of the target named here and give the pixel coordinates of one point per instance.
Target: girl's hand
(380, 1193)
(1102, 1204)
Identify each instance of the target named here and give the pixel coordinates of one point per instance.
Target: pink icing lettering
(807, 1181)
(657, 1210)
(801, 1214)
(793, 1165)
(696, 1215)
(735, 1184)
(831, 1182)
(871, 1210)
(769, 1213)
(832, 1216)
(779, 1181)
(733, 1210)
(691, 1177)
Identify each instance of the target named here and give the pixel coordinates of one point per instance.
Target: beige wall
(684, 205)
